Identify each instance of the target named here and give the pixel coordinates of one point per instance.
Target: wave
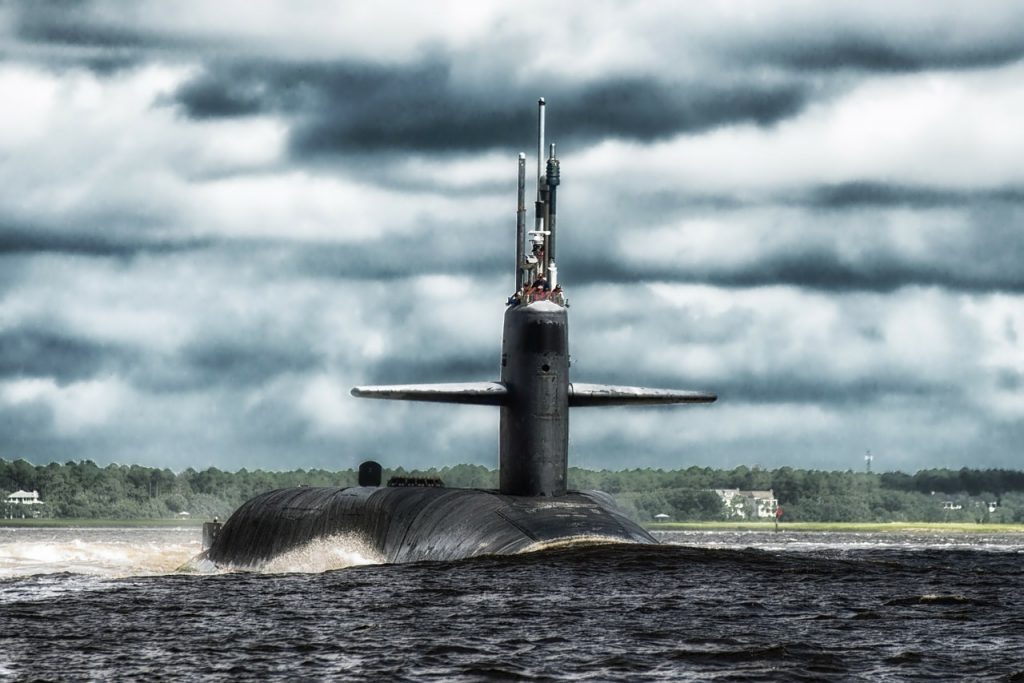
(574, 542)
(130, 552)
(318, 556)
(112, 558)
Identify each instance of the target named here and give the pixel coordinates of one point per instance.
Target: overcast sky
(218, 217)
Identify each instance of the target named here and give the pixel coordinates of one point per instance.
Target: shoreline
(842, 527)
(71, 523)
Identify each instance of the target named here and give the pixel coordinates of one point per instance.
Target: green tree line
(85, 490)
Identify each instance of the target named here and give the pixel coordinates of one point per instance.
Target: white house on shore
(755, 504)
(22, 504)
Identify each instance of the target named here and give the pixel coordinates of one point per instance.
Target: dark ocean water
(718, 607)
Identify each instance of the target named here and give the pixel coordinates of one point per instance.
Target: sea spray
(323, 555)
(110, 552)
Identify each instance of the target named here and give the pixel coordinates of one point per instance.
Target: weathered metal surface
(534, 437)
(581, 395)
(521, 223)
(414, 524)
(370, 473)
(210, 531)
(553, 178)
(476, 393)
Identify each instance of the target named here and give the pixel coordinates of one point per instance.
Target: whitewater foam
(571, 542)
(324, 555)
(96, 552)
(321, 555)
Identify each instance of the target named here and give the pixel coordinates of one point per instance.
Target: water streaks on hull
(414, 524)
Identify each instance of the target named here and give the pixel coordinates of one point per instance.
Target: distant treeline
(934, 495)
(85, 490)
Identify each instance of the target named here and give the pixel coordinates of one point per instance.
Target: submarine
(409, 520)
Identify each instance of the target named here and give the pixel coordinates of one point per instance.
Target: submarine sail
(411, 520)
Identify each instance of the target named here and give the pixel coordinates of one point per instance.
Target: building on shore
(22, 505)
(748, 504)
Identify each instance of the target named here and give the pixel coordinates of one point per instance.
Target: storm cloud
(217, 219)
(363, 107)
(867, 51)
(28, 240)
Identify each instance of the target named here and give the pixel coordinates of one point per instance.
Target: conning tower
(407, 521)
(534, 392)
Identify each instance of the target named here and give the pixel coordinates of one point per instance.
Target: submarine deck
(408, 524)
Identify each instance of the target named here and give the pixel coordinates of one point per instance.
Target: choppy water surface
(106, 604)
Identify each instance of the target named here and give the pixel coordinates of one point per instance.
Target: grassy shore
(852, 527)
(55, 523)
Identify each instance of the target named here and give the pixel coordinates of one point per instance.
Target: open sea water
(112, 604)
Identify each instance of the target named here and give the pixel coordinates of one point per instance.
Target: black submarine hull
(411, 524)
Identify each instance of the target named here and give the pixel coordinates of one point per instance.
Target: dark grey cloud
(104, 62)
(351, 107)
(872, 193)
(387, 258)
(882, 51)
(78, 23)
(244, 364)
(241, 363)
(90, 240)
(814, 268)
(883, 273)
(206, 97)
(647, 110)
(101, 37)
(73, 29)
(30, 352)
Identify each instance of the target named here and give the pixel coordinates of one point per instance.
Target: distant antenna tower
(867, 460)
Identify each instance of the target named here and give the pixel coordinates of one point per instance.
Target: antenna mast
(521, 223)
(540, 209)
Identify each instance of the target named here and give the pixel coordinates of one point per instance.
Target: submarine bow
(408, 524)
(421, 520)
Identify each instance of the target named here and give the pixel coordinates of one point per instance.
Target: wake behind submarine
(414, 519)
